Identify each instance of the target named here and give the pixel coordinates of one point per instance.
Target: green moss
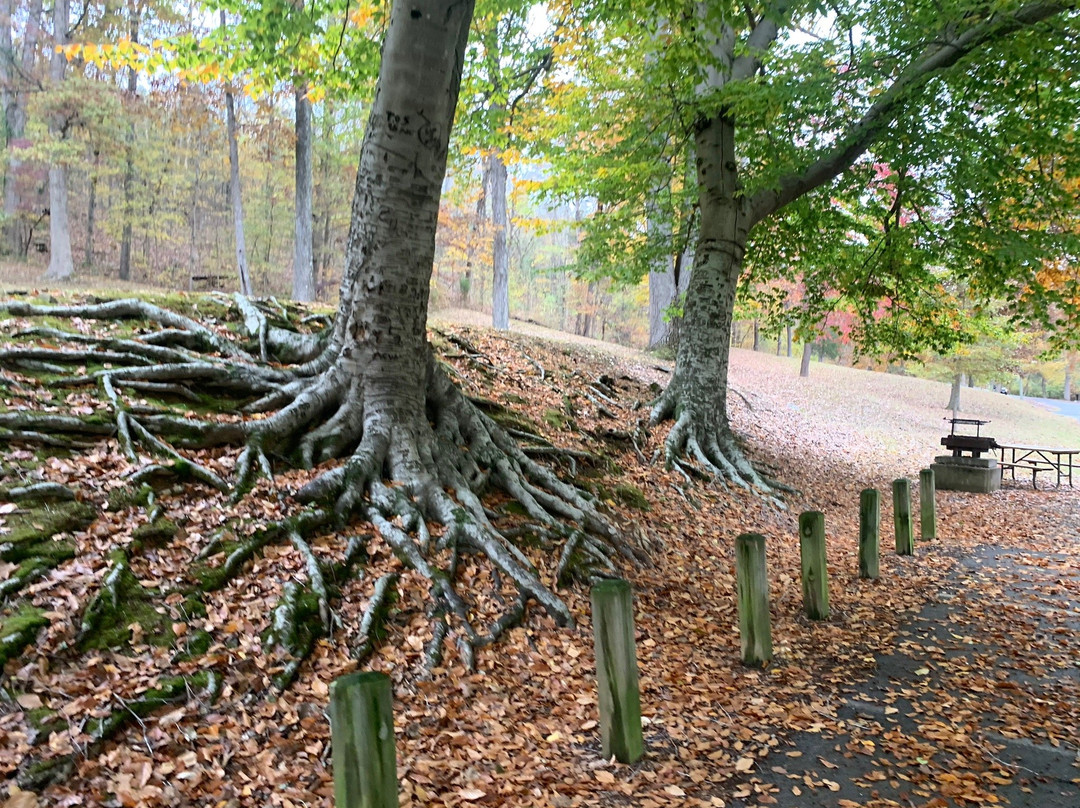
(170, 689)
(634, 497)
(51, 552)
(513, 398)
(556, 419)
(514, 507)
(19, 630)
(28, 570)
(157, 532)
(120, 602)
(122, 498)
(43, 523)
(194, 645)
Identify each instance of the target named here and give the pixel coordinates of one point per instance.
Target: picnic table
(1037, 459)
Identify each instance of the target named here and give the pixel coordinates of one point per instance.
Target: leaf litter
(521, 729)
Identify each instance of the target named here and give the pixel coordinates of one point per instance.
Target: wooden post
(617, 671)
(869, 529)
(752, 591)
(901, 500)
(362, 731)
(815, 575)
(927, 506)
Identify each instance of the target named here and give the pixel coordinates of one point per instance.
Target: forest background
(138, 103)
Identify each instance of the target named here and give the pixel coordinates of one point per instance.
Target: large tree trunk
(1070, 371)
(303, 263)
(61, 264)
(380, 397)
(500, 254)
(697, 394)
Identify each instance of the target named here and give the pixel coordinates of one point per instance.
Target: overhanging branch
(947, 48)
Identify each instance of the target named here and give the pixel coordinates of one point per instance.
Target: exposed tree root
(418, 478)
(37, 773)
(705, 445)
(370, 631)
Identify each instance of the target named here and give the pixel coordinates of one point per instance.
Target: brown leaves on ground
(522, 730)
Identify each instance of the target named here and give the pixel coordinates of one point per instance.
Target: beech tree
(789, 107)
(418, 453)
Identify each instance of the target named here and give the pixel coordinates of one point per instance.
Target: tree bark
(234, 189)
(662, 282)
(129, 160)
(15, 116)
(697, 392)
(807, 355)
(500, 255)
(1070, 371)
(954, 392)
(91, 211)
(61, 264)
(303, 262)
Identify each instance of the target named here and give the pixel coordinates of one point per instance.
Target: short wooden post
(752, 591)
(617, 671)
(815, 576)
(901, 500)
(362, 730)
(869, 530)
(927, 506)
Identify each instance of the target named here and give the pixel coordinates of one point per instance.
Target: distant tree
(61, 264)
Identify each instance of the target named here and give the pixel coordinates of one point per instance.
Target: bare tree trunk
(129, 159)
(61, 264)
(91, 205)
(234, 189)
(757, 335)
(789, 341)
(303, 262)
(1070, 371)
(807, 354)
(954, 392)
(15, 115)
(500, 256)
(7, 77)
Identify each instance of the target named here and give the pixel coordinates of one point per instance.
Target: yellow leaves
(363, 16)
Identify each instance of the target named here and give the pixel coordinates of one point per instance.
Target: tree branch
(944, 51)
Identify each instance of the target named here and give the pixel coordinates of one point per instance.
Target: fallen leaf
(472, 794)
(29, 701)
(604, 776)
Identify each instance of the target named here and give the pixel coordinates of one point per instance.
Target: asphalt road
(1069, 408)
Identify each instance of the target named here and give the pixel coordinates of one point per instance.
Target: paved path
(1069, 408)
(957, 709)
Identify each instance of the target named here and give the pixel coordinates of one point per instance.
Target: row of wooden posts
(361, 704)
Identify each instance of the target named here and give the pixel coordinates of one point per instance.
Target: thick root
(705, 446)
